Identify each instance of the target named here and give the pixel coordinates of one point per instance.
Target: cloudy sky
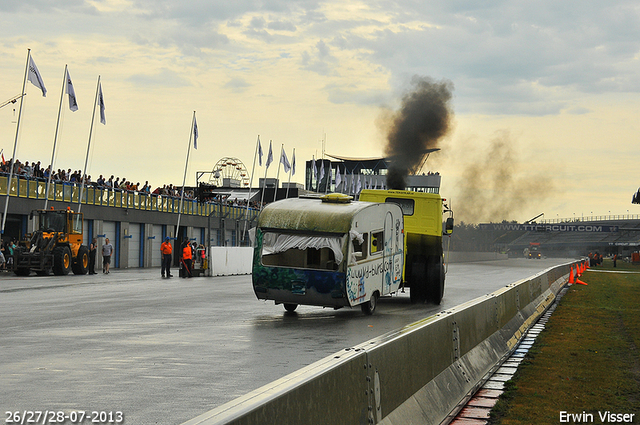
(545, 93)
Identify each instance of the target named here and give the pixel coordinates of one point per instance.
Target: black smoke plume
(421, 122)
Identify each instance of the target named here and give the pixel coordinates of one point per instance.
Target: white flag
(259, 152)
(338, 177)
(345, 178)
(293, 163)
(73, 103)
(284, 161)
(35, 78)
(195, 133)
(359, 184)
(103, 119)
(322, 171)
(269, 156)
(313, 166)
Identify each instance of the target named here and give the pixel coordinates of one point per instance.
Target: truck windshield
(53, 221)
(302, 251)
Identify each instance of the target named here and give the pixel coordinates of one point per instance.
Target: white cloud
(163, 78)
(294, 67)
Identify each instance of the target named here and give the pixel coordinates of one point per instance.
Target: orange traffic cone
(571, 280)
(578, 281)
(579, 269)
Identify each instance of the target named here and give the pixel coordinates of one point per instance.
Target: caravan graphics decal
(371, 272)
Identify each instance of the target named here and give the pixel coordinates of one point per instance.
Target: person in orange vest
(166, 249)
(187, 258)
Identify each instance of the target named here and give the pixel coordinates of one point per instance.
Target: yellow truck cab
(424, 269)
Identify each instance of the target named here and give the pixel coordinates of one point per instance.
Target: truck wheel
(290, 307)
(61, 260)
(417, 291)
(81, 262)
(435, 275)
(369, 307)
(22, 271)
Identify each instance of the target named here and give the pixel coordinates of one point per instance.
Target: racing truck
(55, 246)
(424, 271)
(331, 251)
(534, 250)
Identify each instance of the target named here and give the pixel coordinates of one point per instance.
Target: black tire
(369, 307)
(418, 281)
(435, 276)
(61, 261)
(81, 262)
(290, 307)
(22, 271)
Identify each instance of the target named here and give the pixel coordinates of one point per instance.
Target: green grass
(586, 360)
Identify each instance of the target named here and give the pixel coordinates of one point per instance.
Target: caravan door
(393, 252)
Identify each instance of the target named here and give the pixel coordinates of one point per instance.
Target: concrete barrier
(419, 374)
(226, 261)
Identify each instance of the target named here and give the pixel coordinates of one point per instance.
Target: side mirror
(448, 227)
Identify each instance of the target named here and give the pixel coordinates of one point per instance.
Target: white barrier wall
(226, 261)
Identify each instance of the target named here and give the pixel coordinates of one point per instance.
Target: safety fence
(108, 197)
(418, 374)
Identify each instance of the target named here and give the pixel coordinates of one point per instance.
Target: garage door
(86, 232)
(133, 239)
(156, 257)
(109, 231)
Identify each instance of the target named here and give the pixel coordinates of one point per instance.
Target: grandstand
(606, 235)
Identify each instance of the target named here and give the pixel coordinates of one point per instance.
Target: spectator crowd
(35, 171)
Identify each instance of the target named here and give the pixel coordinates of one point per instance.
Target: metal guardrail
(418, 374)
(116, 198)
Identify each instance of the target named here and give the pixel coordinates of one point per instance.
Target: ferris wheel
(229, 168)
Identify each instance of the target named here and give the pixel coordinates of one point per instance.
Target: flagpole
(290, 171)
(264, 186)
(86, 160)
(275, 192)
(55, 140)
(264, 182)
(255, 155)
(184, 178)
(15, 144)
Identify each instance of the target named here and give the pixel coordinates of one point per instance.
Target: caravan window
(302, 251)
(377, 241)
(359, 242)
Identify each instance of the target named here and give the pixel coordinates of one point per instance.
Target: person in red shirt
(187, 258)
(166, 249)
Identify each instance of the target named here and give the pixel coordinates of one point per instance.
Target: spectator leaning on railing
(35, 171)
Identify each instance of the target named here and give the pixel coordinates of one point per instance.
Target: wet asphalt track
(163, 351)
